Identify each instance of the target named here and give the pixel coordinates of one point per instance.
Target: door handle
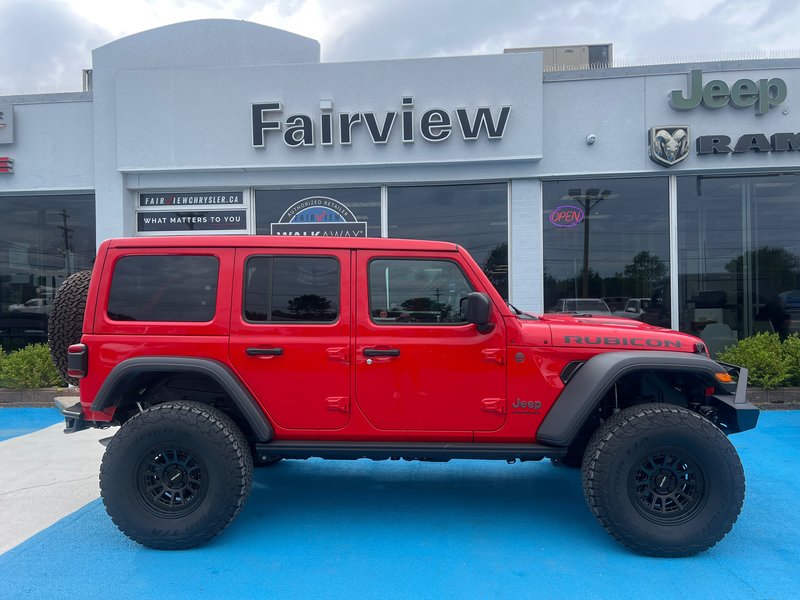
(264, 351)
(379, 352)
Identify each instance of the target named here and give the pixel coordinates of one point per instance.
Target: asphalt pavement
(364, 529)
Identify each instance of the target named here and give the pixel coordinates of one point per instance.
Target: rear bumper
(73, 414)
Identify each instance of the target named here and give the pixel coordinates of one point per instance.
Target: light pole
(588, 200)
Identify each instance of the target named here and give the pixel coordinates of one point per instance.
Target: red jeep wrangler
(218, 353)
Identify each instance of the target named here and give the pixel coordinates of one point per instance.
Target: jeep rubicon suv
(216, 353)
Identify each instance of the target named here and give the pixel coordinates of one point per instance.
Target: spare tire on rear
(65, 325)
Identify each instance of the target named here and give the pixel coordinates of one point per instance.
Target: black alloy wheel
(663, 480)
(668, 486)
(176, 474)
(172, 480)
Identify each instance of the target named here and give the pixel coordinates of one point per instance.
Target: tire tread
(223, 433)
(638, 420)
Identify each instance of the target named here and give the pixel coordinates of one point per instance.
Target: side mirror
(478, 309)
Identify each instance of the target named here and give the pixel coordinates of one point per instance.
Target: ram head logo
(669, 144)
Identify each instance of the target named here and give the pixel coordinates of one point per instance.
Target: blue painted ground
(20, 421)
(316, 529)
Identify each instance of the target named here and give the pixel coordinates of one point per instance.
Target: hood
(615, 333)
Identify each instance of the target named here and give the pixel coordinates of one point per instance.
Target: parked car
(634, 308)
(34, 305)
(583, 306)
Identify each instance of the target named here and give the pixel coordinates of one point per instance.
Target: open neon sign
(566, 216)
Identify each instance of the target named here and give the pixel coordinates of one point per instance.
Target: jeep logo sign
(763, 94)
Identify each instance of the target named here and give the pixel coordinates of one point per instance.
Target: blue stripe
(21, 421)
(464, 529)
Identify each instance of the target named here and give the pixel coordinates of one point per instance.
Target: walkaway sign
(319, 215)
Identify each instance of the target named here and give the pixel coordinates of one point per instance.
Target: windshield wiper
(520, 314)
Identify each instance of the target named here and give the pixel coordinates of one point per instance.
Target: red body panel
(448, 383)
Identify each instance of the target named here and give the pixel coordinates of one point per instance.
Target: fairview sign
(329, 128)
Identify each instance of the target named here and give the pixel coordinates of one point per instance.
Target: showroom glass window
(474, 216)
(332, 210)
(608, 240)
(43, 240)
(739, 255)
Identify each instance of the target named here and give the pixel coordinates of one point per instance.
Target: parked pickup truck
(218, 353)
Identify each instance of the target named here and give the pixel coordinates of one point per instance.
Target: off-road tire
(663, 480)
(175, 475)
(65, 324)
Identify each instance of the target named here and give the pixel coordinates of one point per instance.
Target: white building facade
(674, 185)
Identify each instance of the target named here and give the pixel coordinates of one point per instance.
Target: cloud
(48, 42)
(45, 45)
(677, 28)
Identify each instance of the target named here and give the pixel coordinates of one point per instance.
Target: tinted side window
(291, 288)
(164, 288)
(417, 291)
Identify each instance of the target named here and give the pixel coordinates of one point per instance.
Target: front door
(420, 367)
(290, 335)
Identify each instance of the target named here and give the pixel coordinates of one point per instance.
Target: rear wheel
(663, 480)
(176, 475)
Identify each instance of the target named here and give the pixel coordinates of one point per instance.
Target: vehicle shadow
(330, 497)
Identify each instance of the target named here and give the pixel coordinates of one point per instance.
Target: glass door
(739, 255)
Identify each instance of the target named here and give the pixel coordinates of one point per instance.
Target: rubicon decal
(590, 340)
(6, 164)
(329, 128)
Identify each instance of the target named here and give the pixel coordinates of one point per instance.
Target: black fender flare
(596, 377)
(109, 394)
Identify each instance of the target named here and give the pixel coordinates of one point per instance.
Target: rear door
(420, 367)
(290, 335)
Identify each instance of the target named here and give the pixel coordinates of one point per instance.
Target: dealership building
(668, 191)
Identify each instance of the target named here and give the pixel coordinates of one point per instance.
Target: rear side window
(291, 289)
(164, 288)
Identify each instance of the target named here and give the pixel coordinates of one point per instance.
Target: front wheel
(175, 475)
(663, 480)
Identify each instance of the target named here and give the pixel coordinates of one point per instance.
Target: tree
(775, 265)
(645, 272)
(496, 268)
(308, 305)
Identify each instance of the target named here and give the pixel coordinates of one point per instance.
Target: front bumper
(735, 413)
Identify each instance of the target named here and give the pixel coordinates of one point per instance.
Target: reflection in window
(739, 254)
(291, 289)
(608, 239)
(164, 288)
(474, 216)
(43, 240)
(417, 291)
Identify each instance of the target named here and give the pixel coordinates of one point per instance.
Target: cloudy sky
(46, 43)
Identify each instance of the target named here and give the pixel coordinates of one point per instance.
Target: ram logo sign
(669, 144)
